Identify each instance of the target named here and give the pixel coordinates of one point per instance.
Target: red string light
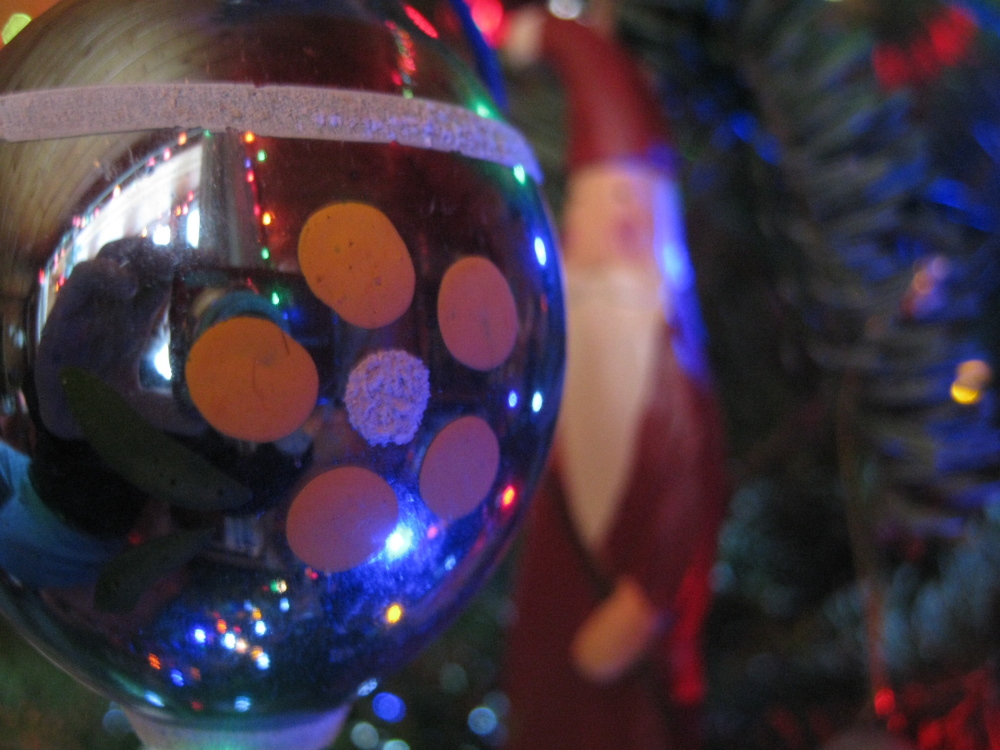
(420, 22)
(944, 42)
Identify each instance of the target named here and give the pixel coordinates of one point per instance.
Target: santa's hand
(617, 634)
(104, 320)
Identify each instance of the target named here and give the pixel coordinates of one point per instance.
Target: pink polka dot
(477, 314)
(250, 380)
(354, 260)
(459, 468)
(341, 518)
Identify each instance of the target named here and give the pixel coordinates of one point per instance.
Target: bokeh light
(389, 707)
(13, 26)
(364, 736)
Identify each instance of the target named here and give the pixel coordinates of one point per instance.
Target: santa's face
(624, 212)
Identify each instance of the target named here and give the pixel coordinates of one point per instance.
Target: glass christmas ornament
(281, 354)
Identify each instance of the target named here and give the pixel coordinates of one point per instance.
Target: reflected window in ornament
(519, 174)
(161, 361)
(161, 235)
(192, 228)
(536, 402)
(512, 399)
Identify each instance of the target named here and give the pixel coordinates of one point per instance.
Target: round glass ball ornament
(282, 338)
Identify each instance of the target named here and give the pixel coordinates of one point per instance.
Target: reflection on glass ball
(282, 397)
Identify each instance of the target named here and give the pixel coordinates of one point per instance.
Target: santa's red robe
(663, 535)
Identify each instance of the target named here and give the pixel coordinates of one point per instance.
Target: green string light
(14, 26)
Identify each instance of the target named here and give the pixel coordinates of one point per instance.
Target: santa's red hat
(613, 110)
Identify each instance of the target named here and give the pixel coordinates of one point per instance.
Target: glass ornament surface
(276, 396)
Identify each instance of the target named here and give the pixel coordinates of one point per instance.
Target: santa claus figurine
(614, 580)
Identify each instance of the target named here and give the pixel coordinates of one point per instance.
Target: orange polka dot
(477, 314)
(355, 261)
(459, 467)
(250, 380)
(341, 518)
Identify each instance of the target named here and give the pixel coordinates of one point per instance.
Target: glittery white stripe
(278, 111)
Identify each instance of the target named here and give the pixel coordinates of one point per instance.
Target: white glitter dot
(386, 396)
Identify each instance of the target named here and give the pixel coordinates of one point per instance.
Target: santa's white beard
(615, 321)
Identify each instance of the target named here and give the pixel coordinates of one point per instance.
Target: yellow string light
(971, 377)
(394, 614)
